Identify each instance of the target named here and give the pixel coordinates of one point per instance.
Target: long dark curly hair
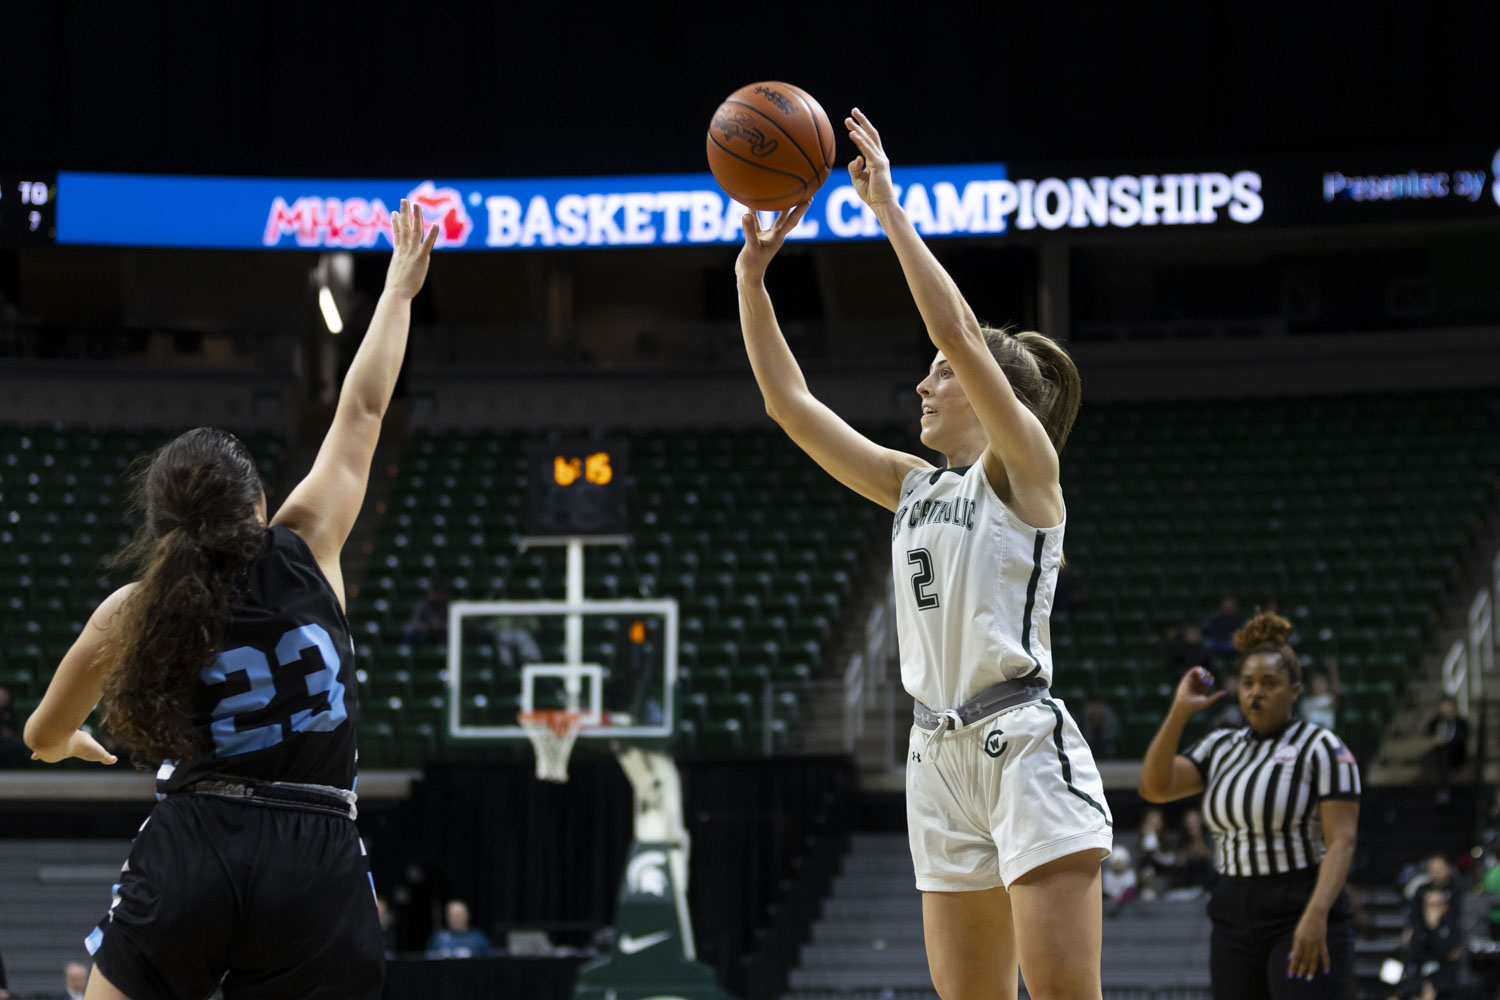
(197, 497)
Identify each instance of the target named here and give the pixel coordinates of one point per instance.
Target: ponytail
(1042, 376)
(199, 535)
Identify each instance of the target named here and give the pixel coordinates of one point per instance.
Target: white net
(552, 734)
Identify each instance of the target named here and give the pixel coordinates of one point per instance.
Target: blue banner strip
(233, 213)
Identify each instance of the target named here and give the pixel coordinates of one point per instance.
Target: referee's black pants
(1253, 923)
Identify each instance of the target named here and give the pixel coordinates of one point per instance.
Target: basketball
(770, 145)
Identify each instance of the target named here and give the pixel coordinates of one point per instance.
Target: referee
(1281, 796)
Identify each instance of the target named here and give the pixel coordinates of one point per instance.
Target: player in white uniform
(1005, 808)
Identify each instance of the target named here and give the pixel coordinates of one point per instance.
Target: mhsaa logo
(445, 207)
(357, 223)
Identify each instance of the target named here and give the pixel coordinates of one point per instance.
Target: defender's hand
(80, 745)
(409, 261)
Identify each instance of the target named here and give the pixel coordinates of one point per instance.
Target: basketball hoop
(552, 733)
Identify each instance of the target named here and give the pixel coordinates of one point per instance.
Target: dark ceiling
(446, 89)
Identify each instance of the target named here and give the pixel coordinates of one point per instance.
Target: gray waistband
(282, 794)
(1006, 694)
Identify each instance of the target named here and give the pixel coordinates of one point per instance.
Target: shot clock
(575, 487)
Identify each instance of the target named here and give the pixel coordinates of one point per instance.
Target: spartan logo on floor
(992, 744)
(647, 874)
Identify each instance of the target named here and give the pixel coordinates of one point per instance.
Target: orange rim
(559, 721)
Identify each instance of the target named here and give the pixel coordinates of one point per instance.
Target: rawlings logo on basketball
(777, 98)
(738, 125)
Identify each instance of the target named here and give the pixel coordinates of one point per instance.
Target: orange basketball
(770, 145)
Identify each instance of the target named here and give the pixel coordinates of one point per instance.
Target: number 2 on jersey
(255, 666)
(922, 559)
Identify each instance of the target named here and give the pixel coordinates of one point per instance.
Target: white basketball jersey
(974, 588)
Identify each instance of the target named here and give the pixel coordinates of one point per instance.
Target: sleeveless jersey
(279, 702)
(974, 588)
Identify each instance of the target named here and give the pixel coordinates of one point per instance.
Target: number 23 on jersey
(253, 665)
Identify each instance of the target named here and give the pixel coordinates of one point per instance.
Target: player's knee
(958, 985)
(1064, 981)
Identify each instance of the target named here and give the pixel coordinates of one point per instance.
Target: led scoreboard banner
(575, 487)
(27, 201)
(974, 200)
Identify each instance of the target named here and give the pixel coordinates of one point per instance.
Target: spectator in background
(1219, 629)
(1101, 727)
(515, 646)
(1320, 707)
(1433, 951)
(4, 985)
(1447, 740)
(1185, 650)
(1442, 879)
(457, 939)
(1195, 855)
(1492, 889)
(75, 980)
(1155, 864)
(429, 621)
(13, 752)
(1119, 881)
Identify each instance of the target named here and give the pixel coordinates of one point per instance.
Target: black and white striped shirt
(1261, 794)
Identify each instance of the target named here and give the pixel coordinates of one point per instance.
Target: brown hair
(199, 534)
(1041, 375)
(1268, 632)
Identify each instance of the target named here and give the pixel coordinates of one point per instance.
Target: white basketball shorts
(987, 803)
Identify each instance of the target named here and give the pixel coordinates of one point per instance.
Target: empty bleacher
(759, 546)
(55, 892)
(1354, 512)
(869, 943)
(62, 514)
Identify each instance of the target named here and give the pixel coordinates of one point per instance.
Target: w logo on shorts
(993, 745)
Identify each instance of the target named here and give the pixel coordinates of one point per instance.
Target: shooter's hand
(871, 169)
(762, 244)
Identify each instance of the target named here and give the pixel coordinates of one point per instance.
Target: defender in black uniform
(230, 661)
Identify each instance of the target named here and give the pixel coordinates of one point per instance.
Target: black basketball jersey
(279, 702)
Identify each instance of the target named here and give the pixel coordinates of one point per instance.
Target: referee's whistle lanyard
(947, 719)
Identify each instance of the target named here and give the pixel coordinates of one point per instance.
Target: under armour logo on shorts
(992, 744)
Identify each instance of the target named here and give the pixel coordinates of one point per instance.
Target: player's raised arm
(1016, 436)
(323, 507)
(862, 465)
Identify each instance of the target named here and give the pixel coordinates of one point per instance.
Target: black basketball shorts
(271, 902)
